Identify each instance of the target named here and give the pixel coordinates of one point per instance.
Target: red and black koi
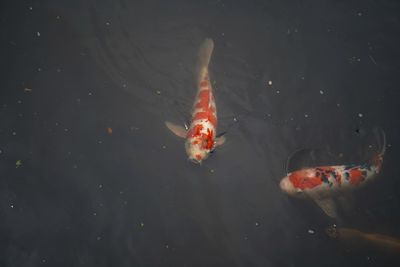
(324, 182)
(201, 138)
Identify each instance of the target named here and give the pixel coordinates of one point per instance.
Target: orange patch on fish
(195, 131)
(109, 130)
(304, 179)
(355, 176)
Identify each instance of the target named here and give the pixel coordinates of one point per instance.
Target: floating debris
(257, 224)
(372, 59)
(158, 92)
(27, 89)
(18, 163)
(306, 115)
(269, 82)
(164, 146)
(311, 231)
(141, 224)
(109, 130)
(38, 34)
(360, 115)
(321, 92)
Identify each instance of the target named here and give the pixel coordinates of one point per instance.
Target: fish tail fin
(381, 140)
(203, 58)
(377, 160)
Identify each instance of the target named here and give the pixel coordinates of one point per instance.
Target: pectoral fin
(176, 129)
(328, 206)
(219, 140)
(346, 202)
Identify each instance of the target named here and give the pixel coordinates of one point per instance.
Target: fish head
(287, 186)
(195, 150)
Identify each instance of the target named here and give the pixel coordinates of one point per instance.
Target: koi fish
(201, 136)
(323, 183)
(350, 235)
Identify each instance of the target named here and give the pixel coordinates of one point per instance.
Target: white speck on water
(321, 92)
(65, 130)
(98, 238)
(277, 91)
(359, 14)
(124, 85)
(14, 133)
(58, 70)
(38, 34)
(269, 82)
(100, 186)
(338, 104)
(257, 224)
(166, 246)
(158, 92)
(302, 77)
(30, 8)
(12, 206)
(39, 69)
(310, 231)
(58, 17)
(90, 93)
(108, 23)
(164, 146)
(99, 142)
(234, 119)
(360, 115)
(94, 213)
(19, 102)
(306, 115)
(223, 34)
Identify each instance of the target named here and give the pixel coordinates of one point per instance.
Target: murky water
(90, 176)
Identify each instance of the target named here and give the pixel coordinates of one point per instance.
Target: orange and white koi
(201, 137)
(325, 182)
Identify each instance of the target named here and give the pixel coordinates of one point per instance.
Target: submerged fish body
(201, 138)
(357, 237)
(323, 183)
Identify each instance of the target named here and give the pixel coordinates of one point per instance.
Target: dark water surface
(74, 194)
